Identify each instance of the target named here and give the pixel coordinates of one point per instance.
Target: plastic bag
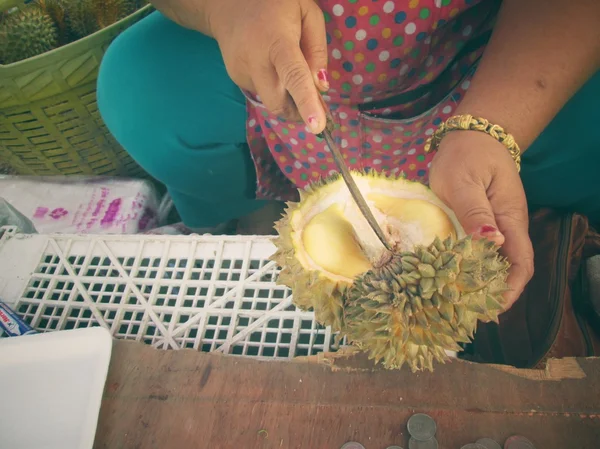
(9, 216)
(84, 205)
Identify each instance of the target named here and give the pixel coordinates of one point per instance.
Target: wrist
(498, 109)
(466, 123)
(539, 55)
(210, 16)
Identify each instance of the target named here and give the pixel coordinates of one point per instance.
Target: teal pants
(165, 95)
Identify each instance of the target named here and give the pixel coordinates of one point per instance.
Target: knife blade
(327, 135)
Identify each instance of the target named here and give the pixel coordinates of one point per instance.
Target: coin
(394, 447)
(488, 443)
(421, 427)
(473, 446)
(518, 442)
(429, 444)
(353, 445)
(519, 445)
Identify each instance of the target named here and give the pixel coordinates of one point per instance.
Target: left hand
(477, 178)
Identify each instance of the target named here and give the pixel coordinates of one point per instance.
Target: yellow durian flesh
(426, 218)
(331, 244)
(331, 235)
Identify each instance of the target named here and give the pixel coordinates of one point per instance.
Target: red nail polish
(488, 229)
(313, 123)
(322, 75)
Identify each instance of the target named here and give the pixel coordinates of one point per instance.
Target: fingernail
(323, 78)
(313, 124)
(488, 231)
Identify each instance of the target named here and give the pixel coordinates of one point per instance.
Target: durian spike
(437, 323)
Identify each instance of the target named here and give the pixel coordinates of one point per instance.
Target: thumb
(473, 210)
(313, 44)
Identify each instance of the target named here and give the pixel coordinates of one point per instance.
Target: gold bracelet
(467, 122)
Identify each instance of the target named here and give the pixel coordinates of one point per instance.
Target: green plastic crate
(49, 119)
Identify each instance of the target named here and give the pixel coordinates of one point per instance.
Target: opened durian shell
(413, 305)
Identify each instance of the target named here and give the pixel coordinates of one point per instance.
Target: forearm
(540, 54)
(193, 14)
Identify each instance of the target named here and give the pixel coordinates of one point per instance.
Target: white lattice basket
(209, 293)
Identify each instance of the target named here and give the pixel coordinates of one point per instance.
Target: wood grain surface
(186, 399)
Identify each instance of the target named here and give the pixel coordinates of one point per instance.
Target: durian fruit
(411, 305)
(85, 17)
(80, 18)
(138, 4)
(56, 10)
(108, 12)
(25, 33)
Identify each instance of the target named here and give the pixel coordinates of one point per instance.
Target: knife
(327, 135)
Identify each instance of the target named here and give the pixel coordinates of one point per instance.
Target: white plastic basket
(208, 293)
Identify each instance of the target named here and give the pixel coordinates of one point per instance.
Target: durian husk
(85, 17)
(421, 304)
(413, 305)
(56, 11)
(108, 12)
(26, 33)
(305, 283)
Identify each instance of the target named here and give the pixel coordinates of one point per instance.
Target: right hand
(275, 49)
(477, 178)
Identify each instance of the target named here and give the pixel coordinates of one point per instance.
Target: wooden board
(185, 399)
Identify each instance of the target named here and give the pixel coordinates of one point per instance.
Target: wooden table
(185, 399)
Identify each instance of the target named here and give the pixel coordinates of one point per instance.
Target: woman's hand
(476, 176)
(276, 49)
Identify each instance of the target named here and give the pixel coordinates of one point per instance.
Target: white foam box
(52, 386)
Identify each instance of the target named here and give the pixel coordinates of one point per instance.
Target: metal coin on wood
(352, 445)
(421, 427)
(416, 444)
(518, 442)
(488, 443)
